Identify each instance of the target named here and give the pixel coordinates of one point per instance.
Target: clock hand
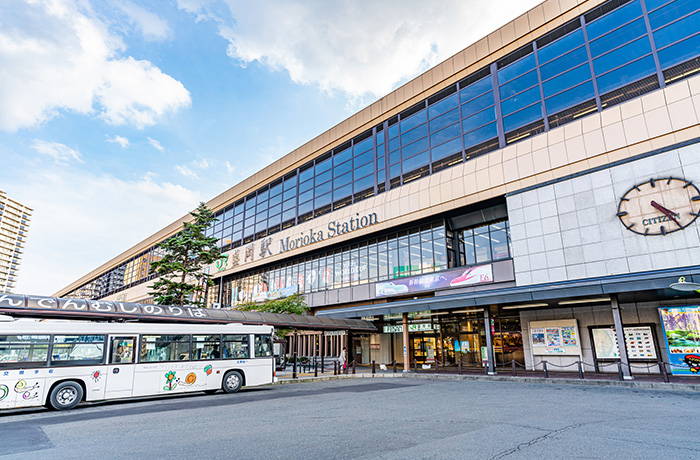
(670, 214)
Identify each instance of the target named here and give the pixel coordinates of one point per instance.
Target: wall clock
(659, 206)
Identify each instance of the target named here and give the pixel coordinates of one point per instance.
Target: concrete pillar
(489, 341)
(620, 332)
(406, 348)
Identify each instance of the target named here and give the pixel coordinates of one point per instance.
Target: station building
(532, 198)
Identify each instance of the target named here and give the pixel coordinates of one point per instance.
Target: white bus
(60, 364)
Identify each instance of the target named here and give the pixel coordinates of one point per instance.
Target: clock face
(659, 206)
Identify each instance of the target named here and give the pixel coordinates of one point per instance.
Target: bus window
(122, 350)
(23, 349)
(236, 346)
(263, 345)
(165, 348)
(206, 347)
(78, 349)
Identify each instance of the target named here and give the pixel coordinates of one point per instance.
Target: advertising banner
(450, 278)
(682, 332)
(555, 337)
(638, 339)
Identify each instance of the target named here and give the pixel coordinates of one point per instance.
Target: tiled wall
(569, 230)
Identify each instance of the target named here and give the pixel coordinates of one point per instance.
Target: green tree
(293, 304)
(180, 276)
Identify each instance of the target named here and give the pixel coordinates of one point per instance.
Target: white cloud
(229, 167)
(201, 163)
(152, 26)
(117, 139)
(82, 220)
(61, 153)
(356, 47)
(156, 144)
(186, 171)
(58, 56)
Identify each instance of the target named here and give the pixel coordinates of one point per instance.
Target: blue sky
(117, 117)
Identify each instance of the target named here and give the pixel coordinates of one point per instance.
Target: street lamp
(682, 285)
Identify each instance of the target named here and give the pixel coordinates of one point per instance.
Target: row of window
(617, 51)
(60, 350)
(418, 250)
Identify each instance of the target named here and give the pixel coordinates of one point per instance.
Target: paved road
(371, 418)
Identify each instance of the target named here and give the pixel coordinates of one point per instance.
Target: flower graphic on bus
(207, 369)
(96, 376)
(4, 391)
(170, 383)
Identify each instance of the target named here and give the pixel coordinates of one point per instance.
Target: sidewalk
(647, 381)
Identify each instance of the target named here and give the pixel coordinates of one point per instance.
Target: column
(406, 348)
(489, 341)
(622, 345)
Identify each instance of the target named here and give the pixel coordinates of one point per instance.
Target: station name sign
(332, 229)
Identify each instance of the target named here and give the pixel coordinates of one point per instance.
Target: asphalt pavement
(370, 418)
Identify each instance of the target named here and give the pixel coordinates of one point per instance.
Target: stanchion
(459, 367)
(544, 366)
(515, 372)
(335, 368)
(315, 368)
(415, 366)
(353, 367)
(486, 367)
(580, 370)
(374, 367)
(437, 366)
(662, 367)
(394, 366)
(294, 369)
(619, 371)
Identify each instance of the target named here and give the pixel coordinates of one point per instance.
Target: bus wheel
(66, 395)
(232, 382)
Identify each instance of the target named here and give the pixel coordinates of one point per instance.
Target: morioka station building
(532, 198)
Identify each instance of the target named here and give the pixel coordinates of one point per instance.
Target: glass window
(416, 162)
(70, 348)
(394, 144)
(414, 134)
(444, 120)
(519, 84)
(479, 119)
(413, 121)
(627, 74)
(677, 31)
(206, 347)
(342, 180)
(341, 169)
(564, 63)
(482, 244)
(363, 146)
(322, 200)
(363, 158)
(567, 80)
(445, 135)
(443, 106)
(235, 346)
(672, 12)
(342, 157)
(614, 19)
(679, 52)
(521, 100)
(165, 348)
(362, 171)
(306, 196)
(475, 89)
(342, 192)
(479, 135)
(323, 177)
(517, 68)
(122, 350)
(446, 149)
(500, 247)
(523, 117)
(23, 349)
(620, 36)
(569, 98)
(560, 47)
(304, 186)
(414, 148)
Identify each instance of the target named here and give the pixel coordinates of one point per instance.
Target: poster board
(639, 341)
(555, 337)
(681, 327)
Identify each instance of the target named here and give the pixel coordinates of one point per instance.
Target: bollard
(415, 366)
(353, 367)
(374, 367)
(394, 366)
(515, 372)
(335, 368)
(580, 370)
(294, 369)
(544, 366)
(662, 367)
(459, 367)
(486, 367)
(619, 371)
(315, 368)
(437, 366)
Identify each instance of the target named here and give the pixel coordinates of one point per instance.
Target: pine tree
(181, 279)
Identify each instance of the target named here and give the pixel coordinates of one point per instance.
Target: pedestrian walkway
(648, 381)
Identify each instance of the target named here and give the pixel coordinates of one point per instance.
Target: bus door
(120, 370)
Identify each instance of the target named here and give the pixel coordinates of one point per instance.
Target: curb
(504, 378)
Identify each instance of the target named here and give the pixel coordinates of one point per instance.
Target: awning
(65, 308)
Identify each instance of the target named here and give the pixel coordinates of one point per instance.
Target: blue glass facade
(615, 52)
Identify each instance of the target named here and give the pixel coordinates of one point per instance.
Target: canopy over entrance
(64, 308)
